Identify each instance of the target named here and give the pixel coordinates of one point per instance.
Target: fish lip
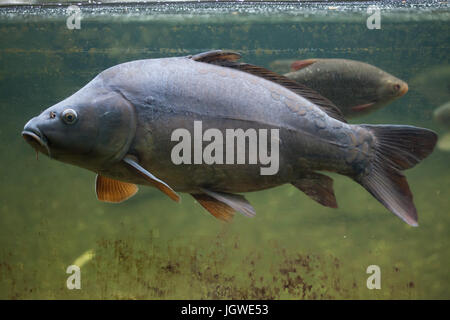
(37, 140)
(403, 90)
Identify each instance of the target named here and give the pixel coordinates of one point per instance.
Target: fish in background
(120, 126)
(442, 116)
(355, 87)
(434, 84)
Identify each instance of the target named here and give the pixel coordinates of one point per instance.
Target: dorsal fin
(229, 59)
(326, 105)
(300, 64)
(216, 56)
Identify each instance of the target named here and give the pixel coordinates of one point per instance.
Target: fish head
(89, 129)
(391, 88)
(379, 93)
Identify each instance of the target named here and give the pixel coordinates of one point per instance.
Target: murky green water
(151, 247)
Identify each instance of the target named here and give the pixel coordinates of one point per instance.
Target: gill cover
(116, 127)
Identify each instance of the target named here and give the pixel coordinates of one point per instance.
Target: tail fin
(398, 148)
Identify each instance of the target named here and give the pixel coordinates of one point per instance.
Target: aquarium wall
(152, 248)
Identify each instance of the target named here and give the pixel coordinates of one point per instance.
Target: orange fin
(319, 188)
(362, 107)
(235, 201)
(110, 190)
(300, 64)
(215, 56)
(218, 209)
(223, 205)
(161, 185)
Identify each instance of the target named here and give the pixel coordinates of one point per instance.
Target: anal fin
(319, 188)
(110, 190)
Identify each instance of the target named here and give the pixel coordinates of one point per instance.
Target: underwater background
(152, 248)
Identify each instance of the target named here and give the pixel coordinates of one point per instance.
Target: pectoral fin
(110, 190)
(161, 185)
(363, 107)
(319, 188)
(223, 205)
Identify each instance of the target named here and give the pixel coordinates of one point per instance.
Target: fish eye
(396, 87)
(69, 116)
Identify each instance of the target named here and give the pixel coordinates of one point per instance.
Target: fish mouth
(403, 89)
(37, 140)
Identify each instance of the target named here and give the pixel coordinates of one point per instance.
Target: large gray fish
(120, 126)
(357, 88)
